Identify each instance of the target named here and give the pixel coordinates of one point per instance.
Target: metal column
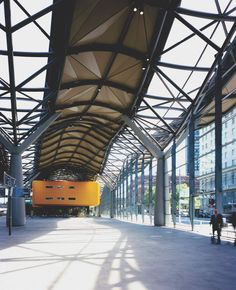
(159, 217)
(123, 192)
(117, 201)
(136, 188)
(150, 191)
(131, 189)
(16, 170)
(18, 200)
(111, 203)
(173, 177)
(120, 201)
(127, 190)
(218, 139)
(142, 190)
(191, 166)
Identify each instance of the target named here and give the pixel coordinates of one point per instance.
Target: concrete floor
(101, 254)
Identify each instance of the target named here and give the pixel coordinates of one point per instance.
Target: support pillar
(136, 188)
(218, 139)
(18, 200)
(115, 203)
(127, 190)
(142, 190)
(191, 166)
(173, 177)
(18, 203)
(159, 217)
(150, 192)
(131, 190)
(16, 169)
(112, 203)
(123, 192)
(120, 201)
(168, 190)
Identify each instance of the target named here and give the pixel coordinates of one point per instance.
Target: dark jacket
(234, 219)
(217, 221)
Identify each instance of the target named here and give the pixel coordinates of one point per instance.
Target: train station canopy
(93, 62)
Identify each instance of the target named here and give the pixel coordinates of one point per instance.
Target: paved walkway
(101, 254)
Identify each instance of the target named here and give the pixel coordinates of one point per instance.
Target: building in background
(207, 162)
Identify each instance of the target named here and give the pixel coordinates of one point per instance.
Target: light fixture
(135, 9)
(141, 12)
(143, 68)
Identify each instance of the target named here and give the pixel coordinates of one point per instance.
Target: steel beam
(159, 71)
(197, 32)
(6, 143)
(148, 143)
(7, 10)
(182, 67)
(157, 115)
(200, 14)
(98, 83)
(118, 48)
(37, 133)
(34, 17)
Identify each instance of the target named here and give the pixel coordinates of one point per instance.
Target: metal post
(150, 192)
(131, 190)
(123, 192)
(9, 210)
(111, 204)
(18, 200)
(142, 190)
(218, 139)
(159, 218)
(168, 190)
(127, 190)
(120, 200)
(173, 177)
(191, 166)
(117, 201)
(12, 88)
(136, 188)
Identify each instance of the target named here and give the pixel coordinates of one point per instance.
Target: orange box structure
(65, 193)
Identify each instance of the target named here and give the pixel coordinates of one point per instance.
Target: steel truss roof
(107, 59)
(105, 71)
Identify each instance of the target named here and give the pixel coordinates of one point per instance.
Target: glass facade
(134, 197)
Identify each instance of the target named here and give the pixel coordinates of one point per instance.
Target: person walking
(217, 224)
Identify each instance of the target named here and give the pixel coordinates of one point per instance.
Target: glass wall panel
(182, 183)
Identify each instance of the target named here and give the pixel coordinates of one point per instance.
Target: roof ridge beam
(146, 140)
